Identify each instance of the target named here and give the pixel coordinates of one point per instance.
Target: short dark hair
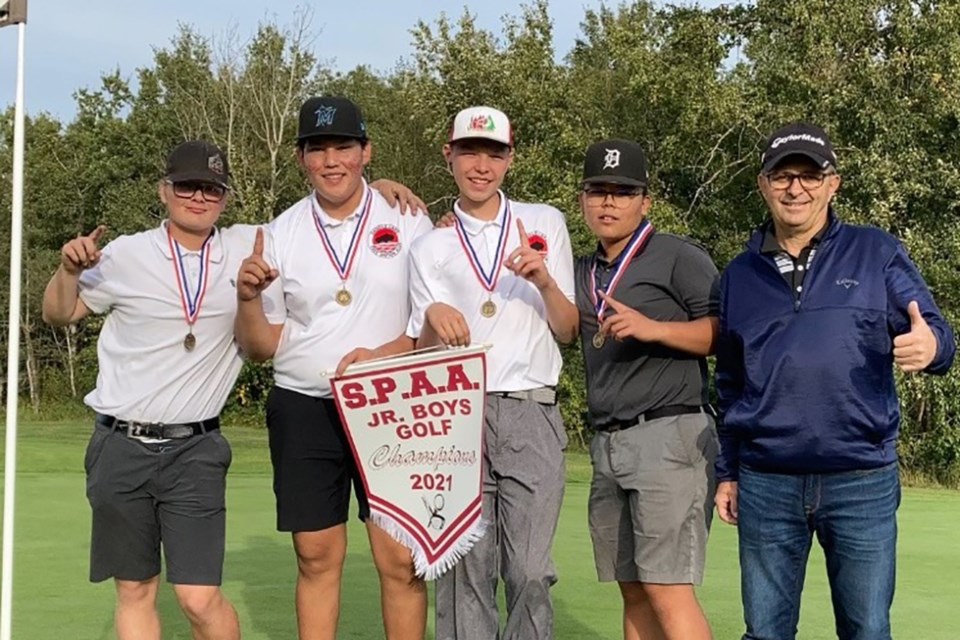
(302, 143)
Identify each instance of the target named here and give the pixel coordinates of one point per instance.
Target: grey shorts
(142, 494)
(651, 500)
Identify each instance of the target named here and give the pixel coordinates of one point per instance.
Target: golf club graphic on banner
(415, 424)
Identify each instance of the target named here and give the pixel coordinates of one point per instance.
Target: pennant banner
(415, 424)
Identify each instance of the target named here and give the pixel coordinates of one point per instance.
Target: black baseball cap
(198, 161)
(615, 162)
(798, 139)
(331, 116)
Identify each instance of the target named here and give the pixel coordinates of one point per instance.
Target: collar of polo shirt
(160, 239)
(473, 225)
(327, 220)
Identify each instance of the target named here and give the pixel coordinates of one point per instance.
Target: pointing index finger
(614, 304)
(524, 239)
(97, 233)
(258, 243)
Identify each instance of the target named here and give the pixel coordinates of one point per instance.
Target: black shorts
(145, 493)
(313, 466)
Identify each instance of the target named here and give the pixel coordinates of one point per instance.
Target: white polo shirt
(318, 331)
(145, 373)
(524, 354)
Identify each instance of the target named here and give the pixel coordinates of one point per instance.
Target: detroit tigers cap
(331, 116)
(197, 161)
(798, 138)
(482, 122)
(615, 162)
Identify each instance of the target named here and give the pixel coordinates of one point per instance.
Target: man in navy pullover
(813, 316)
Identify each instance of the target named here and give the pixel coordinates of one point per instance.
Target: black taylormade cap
(615, 162)
(331, 116)
(198, 161)
(798, 138)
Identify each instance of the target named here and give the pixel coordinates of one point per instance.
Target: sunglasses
(210, 192)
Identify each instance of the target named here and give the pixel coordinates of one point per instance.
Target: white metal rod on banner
(13, 351)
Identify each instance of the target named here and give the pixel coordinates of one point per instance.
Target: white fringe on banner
(445, 562)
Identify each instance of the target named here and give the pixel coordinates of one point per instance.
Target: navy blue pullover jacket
(807, 386)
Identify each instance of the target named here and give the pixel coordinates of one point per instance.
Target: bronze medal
(344, 298)
(190, 303)
(488, 309)
(598, 340)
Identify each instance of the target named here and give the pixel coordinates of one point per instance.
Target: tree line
(699, 88)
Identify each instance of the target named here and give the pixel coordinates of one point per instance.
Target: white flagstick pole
(13, 351)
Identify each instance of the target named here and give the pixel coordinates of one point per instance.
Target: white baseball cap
(482, 122)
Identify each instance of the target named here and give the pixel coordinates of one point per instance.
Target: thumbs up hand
(82, 252)
(527, 262)
(914, 351)
(255, 274)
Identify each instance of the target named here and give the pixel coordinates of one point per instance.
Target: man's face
(478, 167)
(798, 193)
(334, 166)
(194, 206)
(613, 211)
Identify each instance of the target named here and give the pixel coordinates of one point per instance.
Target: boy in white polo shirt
(342, 268)
(502, 275)
(157, 462)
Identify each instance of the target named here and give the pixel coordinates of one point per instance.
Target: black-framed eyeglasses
(210, 192)
(621, 197)
(783, 180)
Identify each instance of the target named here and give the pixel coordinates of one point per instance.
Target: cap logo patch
(325, 116)
(612, 159)
(215, 164)
(795, 137)
(482, 123)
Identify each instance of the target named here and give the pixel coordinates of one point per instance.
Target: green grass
(52, 598)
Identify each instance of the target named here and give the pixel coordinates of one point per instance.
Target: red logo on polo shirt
(538, 243)
(385, 240)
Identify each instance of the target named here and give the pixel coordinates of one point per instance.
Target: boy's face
(478, 166)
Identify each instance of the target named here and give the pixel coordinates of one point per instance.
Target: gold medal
(190, 341)
(345, 265)
(488, 309)
(598, 340)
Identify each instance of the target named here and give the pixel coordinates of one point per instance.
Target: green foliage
(699, 88)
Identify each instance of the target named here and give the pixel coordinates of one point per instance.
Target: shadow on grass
(261, 578)
(264, 575)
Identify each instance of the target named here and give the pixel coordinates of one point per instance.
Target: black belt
(133, 429)
(540, 395)
(663, 412)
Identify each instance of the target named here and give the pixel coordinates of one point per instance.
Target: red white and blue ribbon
(191, 299)
(487, 279)
(345, 265)
(639, 240)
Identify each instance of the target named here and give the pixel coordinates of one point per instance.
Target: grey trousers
(523, 482)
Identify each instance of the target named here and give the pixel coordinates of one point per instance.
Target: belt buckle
(136, 429)
(145, 429)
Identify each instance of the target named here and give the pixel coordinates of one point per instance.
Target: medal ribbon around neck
(639, 240)
(488, 281)
(191, 302)
(344, 266)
